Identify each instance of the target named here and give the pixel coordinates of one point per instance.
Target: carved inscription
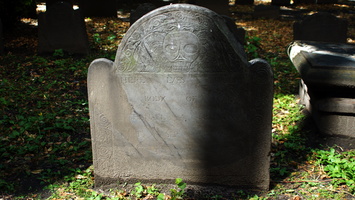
(154, 98)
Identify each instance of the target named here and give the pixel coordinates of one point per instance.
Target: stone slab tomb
(61, 27)
(321, 27)
(328, 82)
(181, 101)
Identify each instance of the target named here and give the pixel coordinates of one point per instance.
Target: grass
(45, 138)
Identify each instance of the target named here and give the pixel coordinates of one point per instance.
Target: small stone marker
(322, 27)
(327, 89)
(181, 101)
(61, 27)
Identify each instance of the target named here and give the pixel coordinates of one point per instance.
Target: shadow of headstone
(181, 101)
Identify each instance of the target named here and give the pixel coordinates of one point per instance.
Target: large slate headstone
(181, 101)
(322, 27)
(61, 27)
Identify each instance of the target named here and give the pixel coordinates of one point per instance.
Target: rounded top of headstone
(180, 36)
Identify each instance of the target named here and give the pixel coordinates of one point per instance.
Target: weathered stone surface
(327, 89)
(181, 100)
(323, 27)
(326, 66)
(266, 11)
(61, 27)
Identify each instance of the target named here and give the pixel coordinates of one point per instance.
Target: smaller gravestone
(98, 8)
(322, 27)
(266, 11)
(141, 10)
(1, 39)
(61, 27)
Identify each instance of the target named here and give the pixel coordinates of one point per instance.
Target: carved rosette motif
(177, 42)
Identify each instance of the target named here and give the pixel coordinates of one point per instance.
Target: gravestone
(141, 10)
(322, 27)
(266, 11)
(328, 82)
(181, 101)
(98, 8)
(61, 27)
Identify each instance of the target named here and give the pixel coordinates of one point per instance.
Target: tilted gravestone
(322, 27)
(181, 101)
(61, 27)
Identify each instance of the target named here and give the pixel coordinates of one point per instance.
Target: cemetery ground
(45, 142)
